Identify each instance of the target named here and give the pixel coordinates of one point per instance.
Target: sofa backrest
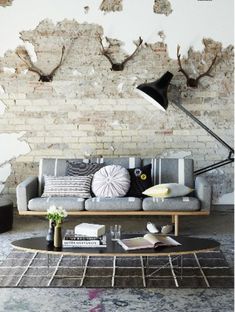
(171, 170)
(164, 170)
(126, 162)
(52, 167)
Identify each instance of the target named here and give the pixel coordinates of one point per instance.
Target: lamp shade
(156, 92)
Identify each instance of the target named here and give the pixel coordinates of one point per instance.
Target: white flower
(52, 209)
(62, 212)
(57, 213)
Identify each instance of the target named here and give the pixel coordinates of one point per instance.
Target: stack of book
(85, 236)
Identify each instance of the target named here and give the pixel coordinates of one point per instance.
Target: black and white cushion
(140, 180)
(76, 167)
(78, 186)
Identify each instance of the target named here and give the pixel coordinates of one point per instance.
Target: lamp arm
(231, 150)
(156, 93)
(213, 166)
(230, 158)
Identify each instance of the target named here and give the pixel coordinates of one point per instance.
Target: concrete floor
(219, 225)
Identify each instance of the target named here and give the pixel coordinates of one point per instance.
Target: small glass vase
(50, 233)
(58, 236)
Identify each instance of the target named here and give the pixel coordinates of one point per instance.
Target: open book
(147, 241)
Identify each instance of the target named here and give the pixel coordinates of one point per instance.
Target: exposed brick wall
(162, 7)
(89, 109)
(5, 3)
(111, 5)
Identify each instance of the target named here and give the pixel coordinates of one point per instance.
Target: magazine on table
(83, 244)
(70, 235)
(147, 241)
(72, 240)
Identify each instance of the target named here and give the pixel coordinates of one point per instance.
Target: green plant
(56, 214)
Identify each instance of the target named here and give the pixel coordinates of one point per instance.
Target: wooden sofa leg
(176, 225)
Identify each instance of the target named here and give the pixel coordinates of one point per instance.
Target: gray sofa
(167, 170)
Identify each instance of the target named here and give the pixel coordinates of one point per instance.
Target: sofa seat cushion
(69, 203)
(172, 204)
(118, 203)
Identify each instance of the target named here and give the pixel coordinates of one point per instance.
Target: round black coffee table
(189, 245)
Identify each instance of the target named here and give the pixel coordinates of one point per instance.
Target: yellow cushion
(168, 190)
(156, 191)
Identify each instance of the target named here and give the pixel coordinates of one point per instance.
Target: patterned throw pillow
(75, 168)
(111, 181)
(67, 186)
(168, 190)
(140, 181)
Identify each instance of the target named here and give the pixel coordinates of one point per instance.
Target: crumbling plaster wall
(89, 110)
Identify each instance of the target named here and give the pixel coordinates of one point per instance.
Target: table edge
(117, 254)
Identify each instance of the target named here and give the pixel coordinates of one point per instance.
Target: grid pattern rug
(22, 269)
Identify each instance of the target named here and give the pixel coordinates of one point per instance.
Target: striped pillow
(76, 167)
(78, 186)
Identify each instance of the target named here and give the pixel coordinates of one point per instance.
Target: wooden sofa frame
(174, 214)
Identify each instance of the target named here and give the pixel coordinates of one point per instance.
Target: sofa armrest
(203, 193)
(25, 191)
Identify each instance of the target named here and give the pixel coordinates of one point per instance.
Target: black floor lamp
(156, 93)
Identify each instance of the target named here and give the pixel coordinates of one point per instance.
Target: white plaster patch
(9, 70)
(30, 49)
(12, 146)
(120, 87)
(112, 148)
(2, 91)
(24, 72)
(2, 107)
(133, 81)
(216, 20)
(76, 73)
(5, 171)
(91, 72)
(225, 199)
(115, 124)
(176, 154)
